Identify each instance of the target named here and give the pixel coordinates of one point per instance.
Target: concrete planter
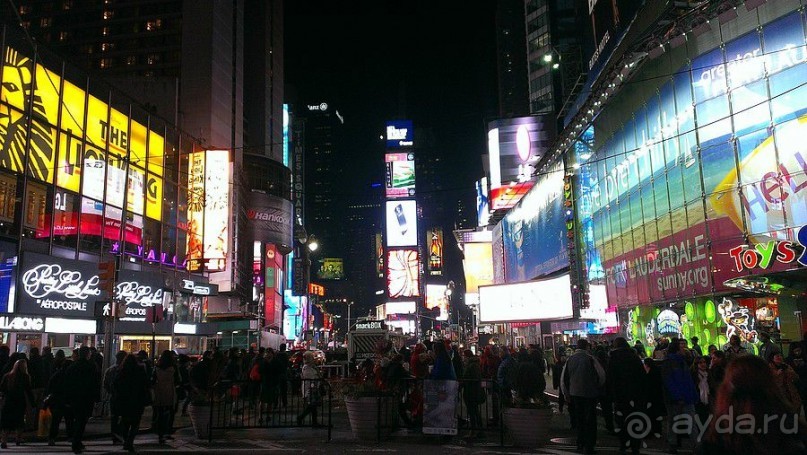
(528, 427)
(363, 415)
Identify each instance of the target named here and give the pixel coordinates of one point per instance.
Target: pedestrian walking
(109, 378)
(164, 382)
(56, 398)
(700, 375)
(281, 360)
(767, 349)
(312, 380)
(605, 401)
(489, 362)
(654, 393)
(735, 348)
(84, 386)
(183, 388)
(696, 348)
(268, 379)
(786, 378)
(130, 396)
(582, 380)
(625, 381)
(18, 396)
(473, 394)
(505, 377)
(749, 386)
(443, 367)
(679, 393)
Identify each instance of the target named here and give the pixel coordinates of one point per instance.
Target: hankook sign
(270, 220)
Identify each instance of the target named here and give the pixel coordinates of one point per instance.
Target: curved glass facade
(696, 173)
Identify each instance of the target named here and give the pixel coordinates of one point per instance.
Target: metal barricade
(253, 404)
(477, 409)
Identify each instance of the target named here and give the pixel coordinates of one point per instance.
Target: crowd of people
(503, 374)
(71, 387)
(759, 398)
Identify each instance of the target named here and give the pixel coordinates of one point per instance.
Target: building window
(107, 46)
(153, 58)
(25, 9)
(63, 36)
(105, 62)
(36, 201)
(105, 31)
(46, 22)
(67, 4)
(131, 60)
(154, 25)
(8, 195)
(109, 15)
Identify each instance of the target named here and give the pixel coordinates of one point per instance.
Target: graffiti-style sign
(738, 319)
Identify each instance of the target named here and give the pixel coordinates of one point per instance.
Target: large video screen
(331, 269)
(534, 232)
(402, 228)
(436, 298)
(544, 300)
(400, 175)
(403, 273)
(478, 265)
(515, 146)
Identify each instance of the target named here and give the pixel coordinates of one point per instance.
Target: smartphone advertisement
(402, 227)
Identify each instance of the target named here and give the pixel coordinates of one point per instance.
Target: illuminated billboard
(478, 265)
(77, 142)
(402, 307)
(482, 202)
(403, 273)
(402, 229)
(534, 232)
(399, 175)
(400, 133)
(436, 298)
(434, 243)
(208, 210)
(331, 269)
(378, 249)
(515, 146)
(543, 300)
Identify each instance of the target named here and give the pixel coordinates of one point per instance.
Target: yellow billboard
(478, 265)
(70, 135)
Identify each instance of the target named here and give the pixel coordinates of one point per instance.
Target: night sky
(432, 62)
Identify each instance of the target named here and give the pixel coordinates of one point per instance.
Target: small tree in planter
(363, 396)
(528, 419)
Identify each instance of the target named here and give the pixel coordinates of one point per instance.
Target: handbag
(45, 419)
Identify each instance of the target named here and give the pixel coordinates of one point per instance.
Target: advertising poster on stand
(440, 407)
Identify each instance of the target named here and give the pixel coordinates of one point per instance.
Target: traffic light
(106, 275)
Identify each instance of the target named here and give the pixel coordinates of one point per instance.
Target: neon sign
(762, 255)
(150, 255)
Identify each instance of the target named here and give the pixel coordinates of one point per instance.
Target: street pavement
(314, 441)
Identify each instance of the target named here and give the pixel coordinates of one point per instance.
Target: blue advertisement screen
(400, 133)
(534, 231)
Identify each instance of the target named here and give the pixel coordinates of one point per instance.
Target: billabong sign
(55, 286)
(22, 323)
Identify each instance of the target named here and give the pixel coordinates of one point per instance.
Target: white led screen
(544, 300)
(402, 229)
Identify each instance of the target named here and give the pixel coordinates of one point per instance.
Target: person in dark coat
(654, 393)
(680, 395)
(282, 362)
(606, 402)
(4, 356)
(269, 384)
(56, 398)
(443, 368)
(108, 380)
(472, 393)
(16, 388)
(130, 396)
(84, 385)
(625, 381)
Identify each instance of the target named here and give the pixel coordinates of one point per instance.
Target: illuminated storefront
(691, 186)
(86, 175)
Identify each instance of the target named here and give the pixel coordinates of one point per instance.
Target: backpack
(255, 372)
